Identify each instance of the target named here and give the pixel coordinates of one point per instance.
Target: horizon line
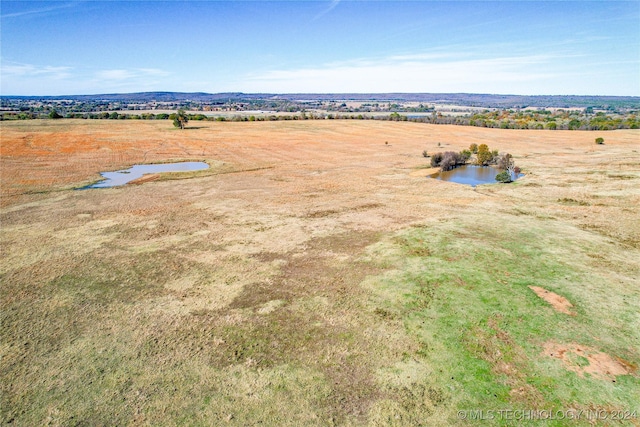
(311, 93)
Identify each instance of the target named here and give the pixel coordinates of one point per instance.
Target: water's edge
(471, 175)
(122, 177)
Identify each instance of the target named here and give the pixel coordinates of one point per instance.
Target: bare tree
(506, 163)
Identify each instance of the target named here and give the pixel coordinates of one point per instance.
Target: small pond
(470, 175)
(117, 178)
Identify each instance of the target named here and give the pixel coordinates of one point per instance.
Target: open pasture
(314, 276)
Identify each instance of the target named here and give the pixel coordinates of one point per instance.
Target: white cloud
(13, 69)
(130, 74)
(29, 79)
(40, 11)
(329, 8)
(411, 73)
(124, 80)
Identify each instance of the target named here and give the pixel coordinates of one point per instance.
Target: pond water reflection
(470, 175)
(121, 177)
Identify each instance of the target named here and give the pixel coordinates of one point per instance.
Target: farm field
(315, 276)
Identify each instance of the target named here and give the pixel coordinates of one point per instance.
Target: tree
(484, 156)
(574, 124)
(180, 119)
(505, 162)
(54, 115)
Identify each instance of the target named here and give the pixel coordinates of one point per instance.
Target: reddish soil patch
(558, 302)
(582, 359)
(145, 178)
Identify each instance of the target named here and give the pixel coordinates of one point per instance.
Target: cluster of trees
(483, 157)
(165, 116)
(530, 120)
(450, 159)
(542, 119)
(553, 120)
(509, 170)
(55, 114)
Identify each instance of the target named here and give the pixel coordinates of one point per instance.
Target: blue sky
(501, 47)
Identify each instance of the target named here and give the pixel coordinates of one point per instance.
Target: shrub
(436, 159)
(600, 141)
(473, 148)
(425, 154)
(451, 159)
(503, 177)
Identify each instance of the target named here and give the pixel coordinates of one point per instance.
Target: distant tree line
(560, 119)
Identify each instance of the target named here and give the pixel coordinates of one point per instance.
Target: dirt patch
(586, 360)
(558, 302)
(145, 178)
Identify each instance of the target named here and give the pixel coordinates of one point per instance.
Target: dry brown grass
(345, 159)
(282, 286)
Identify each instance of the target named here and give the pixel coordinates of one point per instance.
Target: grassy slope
(468, 303)
(292, 296)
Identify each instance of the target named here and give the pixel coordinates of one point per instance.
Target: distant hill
(466, 99)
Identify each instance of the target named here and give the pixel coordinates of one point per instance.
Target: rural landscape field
(315, 275)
